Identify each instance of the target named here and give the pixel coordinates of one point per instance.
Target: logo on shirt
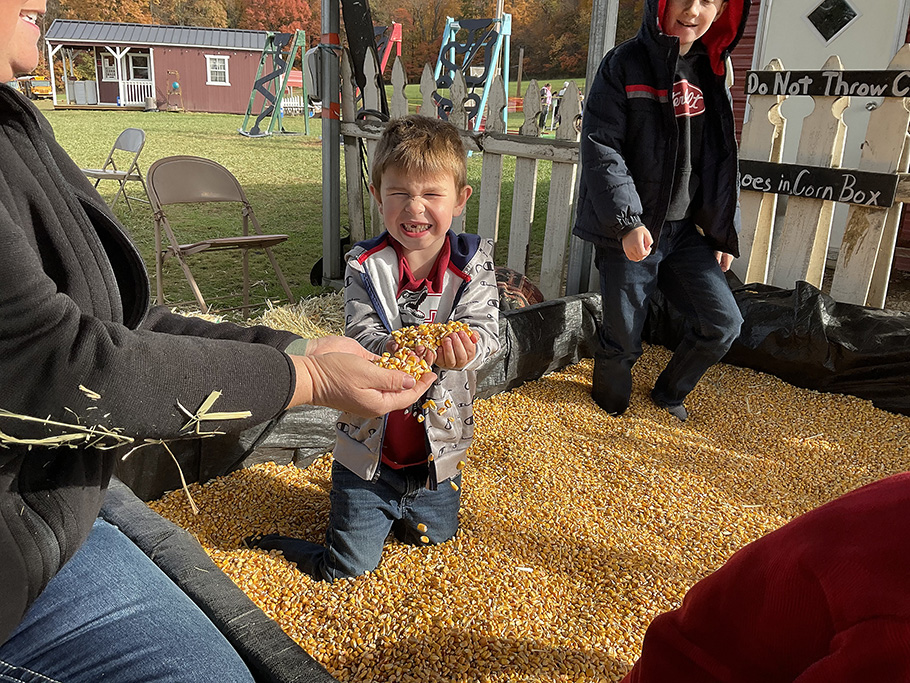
(418, 306)
(688, 99)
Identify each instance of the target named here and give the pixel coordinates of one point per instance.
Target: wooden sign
(829, 83)
(864, 188)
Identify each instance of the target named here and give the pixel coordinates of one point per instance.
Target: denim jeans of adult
(364, 512)
(110, 614)
(683, 266)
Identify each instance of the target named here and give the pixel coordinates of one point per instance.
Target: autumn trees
(552, 33)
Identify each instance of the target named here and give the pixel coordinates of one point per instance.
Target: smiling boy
(659, 193)
(402, 472)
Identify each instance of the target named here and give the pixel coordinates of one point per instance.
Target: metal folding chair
(195, 180)
(127, 145)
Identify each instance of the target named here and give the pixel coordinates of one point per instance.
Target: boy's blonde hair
(419, 145)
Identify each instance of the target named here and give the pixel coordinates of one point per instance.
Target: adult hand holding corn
(337, 372)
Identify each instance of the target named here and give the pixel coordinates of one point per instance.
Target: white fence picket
(491, 173)
(762, 140)
(863, 234)
(803, 235)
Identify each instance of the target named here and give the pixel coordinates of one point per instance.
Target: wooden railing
(138, 91)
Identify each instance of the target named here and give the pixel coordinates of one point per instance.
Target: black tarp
(806, 338)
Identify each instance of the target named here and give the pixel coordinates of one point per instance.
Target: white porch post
(118, 60)
(50, 67)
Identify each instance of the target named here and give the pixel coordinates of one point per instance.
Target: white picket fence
(776, 250)
(781, 250)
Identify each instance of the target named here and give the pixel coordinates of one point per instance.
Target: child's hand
(724, 260)
(637, 243)
(456, 350)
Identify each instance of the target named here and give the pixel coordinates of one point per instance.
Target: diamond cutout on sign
(831, 17)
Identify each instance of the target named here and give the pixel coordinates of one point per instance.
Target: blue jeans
(111, 614)
(362, 515)
(684, 268)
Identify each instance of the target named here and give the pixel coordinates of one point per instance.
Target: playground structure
(388, 42)
(278, 54)
(488, 39)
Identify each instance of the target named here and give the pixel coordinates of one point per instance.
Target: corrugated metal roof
(97, 32)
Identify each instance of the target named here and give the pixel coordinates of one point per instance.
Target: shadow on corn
(457, 655)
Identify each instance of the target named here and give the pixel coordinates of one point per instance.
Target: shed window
(217, 70)
(139, 67)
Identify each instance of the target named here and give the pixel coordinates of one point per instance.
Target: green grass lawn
(282, 176)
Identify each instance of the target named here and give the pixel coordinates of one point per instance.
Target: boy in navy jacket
(659, 193)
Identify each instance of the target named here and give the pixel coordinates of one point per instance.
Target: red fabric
(404, 442)
(721, 34)
(824, 599)
(434, 281)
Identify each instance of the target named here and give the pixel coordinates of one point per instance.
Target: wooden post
(762, 140)
(491, 174)
(372, 101)
(524, 192)
(881, 272)
(458, 93)
(802, 242)
(352, 158)
(863, 234)
(561, 202)
(521, 61)
(332, 261)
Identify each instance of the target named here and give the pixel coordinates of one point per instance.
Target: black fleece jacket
(73, 300)
(629, 136)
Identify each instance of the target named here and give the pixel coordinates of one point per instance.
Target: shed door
(865, 34)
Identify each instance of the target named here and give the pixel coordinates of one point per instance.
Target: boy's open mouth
(414, 228)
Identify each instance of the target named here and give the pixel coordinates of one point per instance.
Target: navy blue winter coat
(629, 136)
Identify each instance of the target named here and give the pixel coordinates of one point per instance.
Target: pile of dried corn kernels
(429, 335)
(576, 528)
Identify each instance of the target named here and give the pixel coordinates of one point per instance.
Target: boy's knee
(418, 537)
(420, 534)
(730, 327)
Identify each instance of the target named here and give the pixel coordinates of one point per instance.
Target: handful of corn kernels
(428, 335)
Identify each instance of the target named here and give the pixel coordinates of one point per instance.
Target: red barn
(180, 67)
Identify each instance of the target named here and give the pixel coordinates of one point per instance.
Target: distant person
(80, 602)
(546, 100)
(822, 599)
(561, 94)
(402, 473)
(660, 203)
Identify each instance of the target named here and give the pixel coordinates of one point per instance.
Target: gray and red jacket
(371, 308)
(629, 136)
